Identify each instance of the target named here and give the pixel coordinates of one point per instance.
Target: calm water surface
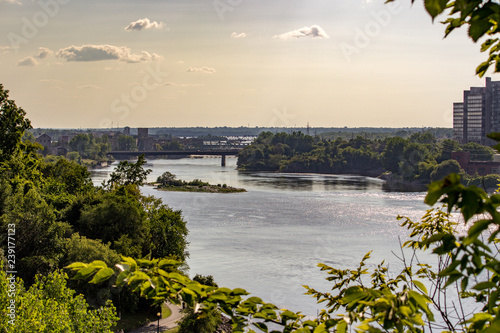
(270, 239)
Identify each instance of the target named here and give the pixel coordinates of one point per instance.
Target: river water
(269, 239)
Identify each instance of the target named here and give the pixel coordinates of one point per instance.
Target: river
(269, 239)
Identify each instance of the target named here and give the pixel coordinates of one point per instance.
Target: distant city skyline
(356, 63)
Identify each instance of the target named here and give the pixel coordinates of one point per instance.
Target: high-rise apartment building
(478, 114)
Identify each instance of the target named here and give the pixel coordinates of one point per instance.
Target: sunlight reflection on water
(269, 239)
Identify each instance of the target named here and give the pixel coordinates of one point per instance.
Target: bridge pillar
(223, 160)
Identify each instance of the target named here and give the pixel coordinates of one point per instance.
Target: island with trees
(169, 182)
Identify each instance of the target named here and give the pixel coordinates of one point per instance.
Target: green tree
(127, 173)
(117, 219)
(126, 143)
(168, 232)
(445, 168)
(478, 152)
(39, 236)
(393, 153)
(49, 306)
(13, 124)
(82, 144)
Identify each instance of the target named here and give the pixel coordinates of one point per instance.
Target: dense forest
(419, 158)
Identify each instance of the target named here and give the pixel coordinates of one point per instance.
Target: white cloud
(183, 85)
(28, 61)
(207, 70)
(314, 31)
(17, 2)
(144, 23)
(43, 53)
(105, 52)
(238, 35)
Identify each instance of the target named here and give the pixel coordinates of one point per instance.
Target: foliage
(167, 181)
(478, 152)
(13, 124)
(412, 159)
(168, 232)
(445, 168)
(210, 320)
(88, 146)
(127, 173)
(126, 143)
(40, 238)
(50, 306)
(59, 217)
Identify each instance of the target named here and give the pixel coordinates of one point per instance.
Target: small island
(168, 182)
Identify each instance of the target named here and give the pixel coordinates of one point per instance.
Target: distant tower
(126, 130)
(308, 128)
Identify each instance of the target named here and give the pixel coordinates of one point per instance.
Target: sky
(266, 63)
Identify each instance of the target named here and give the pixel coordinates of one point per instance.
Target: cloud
(5, 49)
(43, 53)
(183, 85)
(144, 23)
(314, 31)
(17, 2)
(90, 86)
(28, 61)
(238, 35)
(207, 70)
(105, 52)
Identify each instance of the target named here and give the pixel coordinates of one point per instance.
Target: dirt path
(165, 324)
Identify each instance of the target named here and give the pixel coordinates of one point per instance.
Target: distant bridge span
(217, 152)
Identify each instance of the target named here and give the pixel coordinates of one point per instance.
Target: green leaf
(477, 228)
(482, 68)
(420, 299)
(420, 286)
(435, 7)
(239, 292)
(478, 28)
(261, 326)
(76, 266)
(342, 327)
(484, 285)
(85, 273)
(102, 275)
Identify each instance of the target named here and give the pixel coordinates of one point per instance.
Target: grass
(172, 330)
(165, 311)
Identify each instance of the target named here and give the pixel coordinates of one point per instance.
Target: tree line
(418, 158)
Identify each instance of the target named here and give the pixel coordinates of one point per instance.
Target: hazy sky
(87, 63)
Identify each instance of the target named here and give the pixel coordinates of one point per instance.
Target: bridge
(120, 154)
